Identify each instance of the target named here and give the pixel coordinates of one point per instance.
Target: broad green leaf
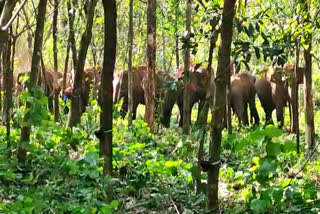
(273, 149)
(258, 206)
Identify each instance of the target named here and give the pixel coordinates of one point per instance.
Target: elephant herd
(52, 83)
(272, 89)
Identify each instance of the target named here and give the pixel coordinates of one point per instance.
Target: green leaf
(288, 146)
(91, 158)
(273, 149)
(258, 206)
(242, 144)
(267, 167)
(272, 131)
(257, 51)
(251, 29)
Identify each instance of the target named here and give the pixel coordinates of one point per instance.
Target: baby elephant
(243, 93)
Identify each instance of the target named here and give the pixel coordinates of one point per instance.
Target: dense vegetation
(70, 141)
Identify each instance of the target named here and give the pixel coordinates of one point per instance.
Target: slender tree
(217, 123)
(295, 98)
(6, 9)
(1, 81)
(176, 33)
(35, 66)
(110, 42)
(65, 71)
(186, 93)
(76, 104)
(7, 78)
(55, 57)
(308, 102)
(203, 119)
(71, 15)
(151, 56)
(130, 72)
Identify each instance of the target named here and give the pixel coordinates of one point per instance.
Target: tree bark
(65, 72)
(308, 102)
(8, 76)
(176, 34)
(7, 12)
(110, 42)
(25, 131)
(295, 98)
(130, 72)
(217, 123)
(203, 119)
(76, 105)
(151, 56)
(55, 58)
(310, 131)
(1, 80)
(186, 80)
(71, 16)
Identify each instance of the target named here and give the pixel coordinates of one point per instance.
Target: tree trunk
(229, 113)
(65, 72)
(8, 76)
(151, 55)
(7, 12)
(110, 42)
(25, 131)
(295, 98)
(130, 72)
(1, 80)
(176, 34)
(310, 132)
(186, 80)
(55, 58)
(217, 123)
(308, 102)
(76, 105)
(71, 16)
(205, 110)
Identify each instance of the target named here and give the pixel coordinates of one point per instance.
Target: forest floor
(155, 173)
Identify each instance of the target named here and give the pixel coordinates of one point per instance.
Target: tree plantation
(159, 106)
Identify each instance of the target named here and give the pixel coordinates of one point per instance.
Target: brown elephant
(273, 94)
(167, 89)
(243, 94)
(121, 89)
(200, 88)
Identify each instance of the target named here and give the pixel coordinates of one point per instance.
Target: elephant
(200, 88)
(243, 93)
(89, 77)
(167, 89)
(121, 89)
(273, 94)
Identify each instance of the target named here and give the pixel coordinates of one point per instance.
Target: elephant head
(199, 85)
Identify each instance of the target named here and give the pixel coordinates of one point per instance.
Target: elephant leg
(280, 117)
(180, 105)
(166, 114)
(268, 117)
(134, 111)
(200, 109)
(253, 111)
(50, 103)
(242, 114)
(124, 108)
